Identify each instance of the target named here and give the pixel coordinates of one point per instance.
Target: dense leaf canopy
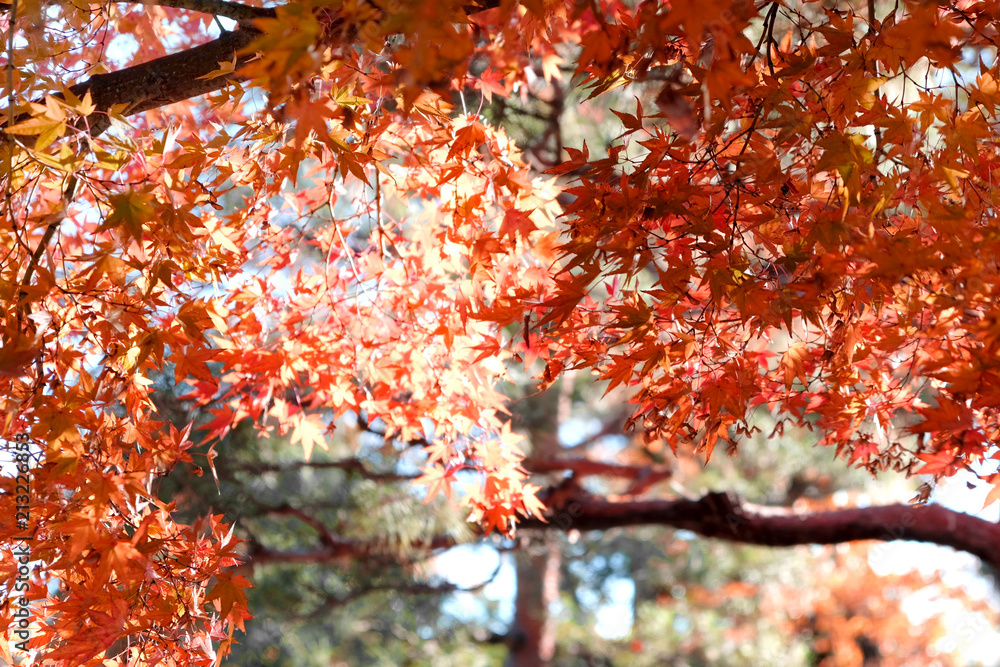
(299, 212)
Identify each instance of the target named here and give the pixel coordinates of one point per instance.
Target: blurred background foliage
(350, 567)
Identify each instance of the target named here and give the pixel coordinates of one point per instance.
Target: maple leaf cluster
(800, 219)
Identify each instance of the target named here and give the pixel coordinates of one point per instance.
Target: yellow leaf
(309, 430)
(86, 105)
(438, 480)
(225, 68)
(54, 109)
(33, 126)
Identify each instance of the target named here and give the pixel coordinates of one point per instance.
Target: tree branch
(230, 10)
(331, 602)
(584, 467)
(338, 550)
(326, 537)
(172, 78)
(718, 515)
(177, 77)
(352, 465)
(333, 547)
(725, 517)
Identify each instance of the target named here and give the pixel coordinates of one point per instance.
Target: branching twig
(403, 588)
(55, 219)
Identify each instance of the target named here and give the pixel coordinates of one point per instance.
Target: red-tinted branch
(723, 516)
(718, 515)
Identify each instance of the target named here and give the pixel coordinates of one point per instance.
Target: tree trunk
(533, 636)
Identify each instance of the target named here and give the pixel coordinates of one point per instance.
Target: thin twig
(9, 166)
(355, 466)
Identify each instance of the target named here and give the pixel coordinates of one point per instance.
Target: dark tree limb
(150, 85)
(231, 10)
(172, 78)
(724, 516)
(224, 8)
(178, 76)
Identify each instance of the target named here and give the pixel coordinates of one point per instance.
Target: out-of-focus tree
(382, 595)
(318, 216)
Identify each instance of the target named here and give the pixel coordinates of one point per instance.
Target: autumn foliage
(312, 215)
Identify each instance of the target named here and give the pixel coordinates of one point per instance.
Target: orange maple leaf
(438, 480)
(310, 431)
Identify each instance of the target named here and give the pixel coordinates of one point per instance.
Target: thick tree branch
(169, 79)
(725, 517)
(165, 80)
(178, 76)
(224, 8)
(717, 515)
(230, 10)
